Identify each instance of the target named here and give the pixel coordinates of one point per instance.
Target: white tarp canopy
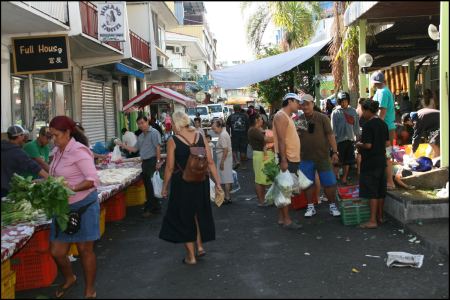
(265, 68)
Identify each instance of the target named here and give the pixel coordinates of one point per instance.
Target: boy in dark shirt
(372, 181)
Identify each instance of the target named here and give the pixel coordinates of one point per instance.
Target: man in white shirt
(129, 139)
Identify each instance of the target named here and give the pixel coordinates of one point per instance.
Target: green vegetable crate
(354, 211)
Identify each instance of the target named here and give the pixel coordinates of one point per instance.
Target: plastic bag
(296, 187)
(212, 190)
(157, 184)
(285, 183)
(303, 181)
(404, 259)
(116, 155)
(281, 200)
(235, 186)
(270, 195)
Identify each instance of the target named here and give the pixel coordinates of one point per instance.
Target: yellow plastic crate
(73, 247)
(6, 268)
(9, 286)
(421, 150)
(135, 194)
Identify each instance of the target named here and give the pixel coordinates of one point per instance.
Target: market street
(253, 257)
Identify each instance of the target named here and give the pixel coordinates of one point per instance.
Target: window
(43, 103)
(18, 101)
(215, 108)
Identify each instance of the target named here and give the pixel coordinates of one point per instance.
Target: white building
(100, 77)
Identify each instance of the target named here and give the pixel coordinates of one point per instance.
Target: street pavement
(253, 257)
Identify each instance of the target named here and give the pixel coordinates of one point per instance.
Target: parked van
(203, 110)
(216, 111)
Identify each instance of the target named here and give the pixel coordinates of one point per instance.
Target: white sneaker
(311, 211)
(334, 211)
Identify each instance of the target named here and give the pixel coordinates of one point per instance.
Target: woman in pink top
(75, 162)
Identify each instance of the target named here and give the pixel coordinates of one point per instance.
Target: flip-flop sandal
(365, 226)
(186, 263)
(201, 253)
(61, 291)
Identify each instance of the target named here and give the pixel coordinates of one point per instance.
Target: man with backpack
(238, 125)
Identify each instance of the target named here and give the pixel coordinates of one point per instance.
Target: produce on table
(50, 195)
(14, 212)
(117, 176)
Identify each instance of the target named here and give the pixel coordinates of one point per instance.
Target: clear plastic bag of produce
(270, 195)
(116, 155)
(285, 183)
(281, 200)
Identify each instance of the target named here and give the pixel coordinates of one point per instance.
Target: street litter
(374, 256)
(355, 270)
(441, 265)
(364, 265)
(412, 240)
(401, 230)
(417, 242)
(404, 259)
(307, 254)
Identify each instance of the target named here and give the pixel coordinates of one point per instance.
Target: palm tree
(296, 18)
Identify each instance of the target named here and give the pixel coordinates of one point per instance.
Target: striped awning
(153, 93)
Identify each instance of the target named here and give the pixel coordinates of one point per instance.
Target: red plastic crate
(300, 201)
(116, 208)
(348, 192)
(33, 270)
(39, 242)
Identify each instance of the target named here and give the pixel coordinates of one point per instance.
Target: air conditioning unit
(178, 50)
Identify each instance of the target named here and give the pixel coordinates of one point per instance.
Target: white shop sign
(111, 24)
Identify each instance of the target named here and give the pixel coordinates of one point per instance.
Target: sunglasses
(311, 127)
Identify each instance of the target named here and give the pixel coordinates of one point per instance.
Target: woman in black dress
(188, 218)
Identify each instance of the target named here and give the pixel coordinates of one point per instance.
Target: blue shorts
(327, 177)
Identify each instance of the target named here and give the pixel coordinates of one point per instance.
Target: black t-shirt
(375, 132)
(239, 124)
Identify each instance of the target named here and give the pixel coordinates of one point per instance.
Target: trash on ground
(307, 254)
(354, 270)
(440, 265)
(404, 259)
(417, 242)
(364, 265)
(401, 230)
(412, 240)
(374, 256)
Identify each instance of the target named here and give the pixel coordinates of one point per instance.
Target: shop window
(43, 100)
(18, 101)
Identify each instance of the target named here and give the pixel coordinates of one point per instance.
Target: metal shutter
(92, 111)
(110, 113)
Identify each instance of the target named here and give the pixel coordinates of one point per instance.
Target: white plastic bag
(157, 183)
(116, 155)
(270, 195)
(296, 187)
(303, 181)
(212, 190)
(285, 183)
(235, 186)
(404, 259)
(281, 200)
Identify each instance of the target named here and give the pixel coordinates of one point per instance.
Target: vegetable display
(51, 196)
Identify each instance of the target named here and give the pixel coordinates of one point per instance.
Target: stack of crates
(33, 264)
(135, 194)
(116, 208)
(73, 248)
(354, 210)
(8, 281)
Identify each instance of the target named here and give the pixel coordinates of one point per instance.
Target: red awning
(153, 93)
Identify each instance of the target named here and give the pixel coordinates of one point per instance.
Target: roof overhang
(192, 44)
(386, 11)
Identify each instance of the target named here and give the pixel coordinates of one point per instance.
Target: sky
(228, 26)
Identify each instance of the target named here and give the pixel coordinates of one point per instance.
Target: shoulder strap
(186, 140)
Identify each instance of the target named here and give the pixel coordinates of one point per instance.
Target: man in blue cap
(387, 113)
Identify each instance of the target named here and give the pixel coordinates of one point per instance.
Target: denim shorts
(90, 223)
(327, 177)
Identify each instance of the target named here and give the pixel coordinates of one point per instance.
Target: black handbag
(74, 222)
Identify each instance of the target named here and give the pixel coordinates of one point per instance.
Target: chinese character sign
(111, 26)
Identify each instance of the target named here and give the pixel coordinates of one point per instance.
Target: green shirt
(387, 101)
(34, 150)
